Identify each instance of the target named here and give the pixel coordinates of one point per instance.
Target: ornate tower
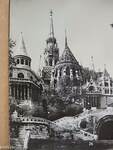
(51, 53)
(67, 70)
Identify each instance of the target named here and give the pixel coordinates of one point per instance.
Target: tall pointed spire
(66, 45)
(20, 49)
(22, 46)
(51, 24)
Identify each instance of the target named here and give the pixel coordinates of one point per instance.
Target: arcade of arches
(105, 128)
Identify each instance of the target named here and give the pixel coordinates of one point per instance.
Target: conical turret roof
(20, 48)
(67, 55)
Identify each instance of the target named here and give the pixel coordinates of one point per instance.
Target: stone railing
(24, 80)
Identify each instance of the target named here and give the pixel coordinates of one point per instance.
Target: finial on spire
(66, 45)
(92, 64)
(51, 13)
(104, 66)
(51, 24)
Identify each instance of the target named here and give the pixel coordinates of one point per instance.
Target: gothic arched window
(21, 75)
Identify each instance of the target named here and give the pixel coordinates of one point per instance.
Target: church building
(59, 72)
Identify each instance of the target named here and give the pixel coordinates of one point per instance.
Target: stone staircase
(16, 144)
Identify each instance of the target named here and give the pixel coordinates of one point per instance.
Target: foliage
(87, 73)
(11, 59)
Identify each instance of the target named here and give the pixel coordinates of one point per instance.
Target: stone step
(16, 144)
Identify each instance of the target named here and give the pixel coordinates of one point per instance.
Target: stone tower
(67, 72)
(51, 54)
(24, 84)
(21, 56)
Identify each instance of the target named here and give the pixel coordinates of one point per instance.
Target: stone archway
(104, 128)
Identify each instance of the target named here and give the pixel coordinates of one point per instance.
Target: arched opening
(67, 71)
(105, 128)
(20, 75)
(106, 131)
(26, 62)
(22, 61)
(83, 124)
(17, 61)
(91, 88)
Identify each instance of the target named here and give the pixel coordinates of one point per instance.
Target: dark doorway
(106, 131)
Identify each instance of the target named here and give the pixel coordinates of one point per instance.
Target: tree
(87, 73)
(11, 59)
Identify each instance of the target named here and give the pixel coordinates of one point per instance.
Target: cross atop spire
(51, 24)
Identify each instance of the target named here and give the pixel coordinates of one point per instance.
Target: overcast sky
(87, 23)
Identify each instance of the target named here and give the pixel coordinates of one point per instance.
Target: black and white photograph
(61, 74)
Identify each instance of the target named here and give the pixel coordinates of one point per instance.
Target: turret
(20, 54)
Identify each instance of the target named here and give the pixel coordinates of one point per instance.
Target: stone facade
(67, 71)
(51, 54)
(63, 71)
(99, 93)
(24, 85)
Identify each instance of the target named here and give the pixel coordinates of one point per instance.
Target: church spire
(66, 45)
(51, 24)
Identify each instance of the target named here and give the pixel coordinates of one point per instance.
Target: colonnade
(20, 91)
(92, 101)
(67, 71)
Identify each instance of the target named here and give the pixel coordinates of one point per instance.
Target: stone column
(17, 92)
(58, 74)
(53, 62)
(27, 92)
(24, 92)
(96, 101)
(30, 92)
(20, 91)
